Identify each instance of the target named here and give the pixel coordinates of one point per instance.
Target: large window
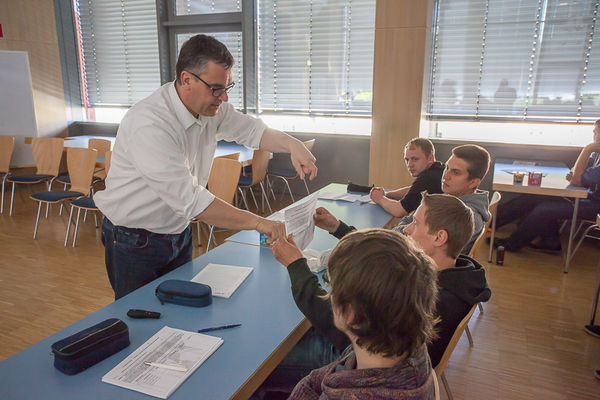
(313, 58)
(517, 60)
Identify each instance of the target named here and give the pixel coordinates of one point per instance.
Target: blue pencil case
(185, 293)
(90, 346)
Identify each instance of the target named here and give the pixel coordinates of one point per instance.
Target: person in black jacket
(441, 227)
(419, 156)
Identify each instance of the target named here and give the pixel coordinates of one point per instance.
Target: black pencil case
(90, 346)
(353, 187)
(186, 293)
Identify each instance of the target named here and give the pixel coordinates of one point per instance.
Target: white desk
(553, 183)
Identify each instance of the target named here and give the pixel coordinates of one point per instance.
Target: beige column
(401, 43)
(29, 25)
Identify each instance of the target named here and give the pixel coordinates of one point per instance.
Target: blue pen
(216, 328)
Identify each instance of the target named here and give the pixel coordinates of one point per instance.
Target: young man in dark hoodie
(441, 227)
(419, 156)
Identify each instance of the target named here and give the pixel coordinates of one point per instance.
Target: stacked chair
(7, 145)
(256, 176)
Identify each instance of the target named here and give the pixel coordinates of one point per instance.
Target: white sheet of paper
(330, 196)
(299, 220)
(222, 279)
(168, 346)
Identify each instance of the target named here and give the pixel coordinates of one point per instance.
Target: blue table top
(361, 216)
(263, 304)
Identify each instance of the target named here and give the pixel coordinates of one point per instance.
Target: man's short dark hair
(476, 157)
(198, 50)
(391, 286)
(448, 213)
(423, 143)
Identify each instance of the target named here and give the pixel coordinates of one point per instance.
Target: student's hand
(569, 176)
(325, 220)
(273, 229)
(377, 194)
(303, 161)
(286, 251)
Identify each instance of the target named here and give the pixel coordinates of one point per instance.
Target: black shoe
(598, 373)
(545, 248)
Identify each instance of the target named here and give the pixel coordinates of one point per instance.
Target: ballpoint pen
(216, 328)
(166, 366)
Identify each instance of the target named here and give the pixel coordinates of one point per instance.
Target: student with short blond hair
(383, 294)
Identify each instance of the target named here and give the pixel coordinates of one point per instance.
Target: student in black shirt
(419, 156)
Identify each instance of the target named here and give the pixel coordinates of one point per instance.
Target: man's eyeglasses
(216, 91)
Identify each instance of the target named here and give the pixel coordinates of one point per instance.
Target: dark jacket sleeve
(450, 310)
(343, 230)
(412, 198)
(308, 294)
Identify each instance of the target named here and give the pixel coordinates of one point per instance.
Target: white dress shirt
(162, 158)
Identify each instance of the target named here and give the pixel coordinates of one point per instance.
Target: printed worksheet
(222, 279)
(299, 220)
(174, 354)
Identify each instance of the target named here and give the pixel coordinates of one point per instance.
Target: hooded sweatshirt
(410, 379)
(477, 201)
(458, 289)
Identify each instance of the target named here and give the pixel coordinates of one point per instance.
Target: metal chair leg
(253, 197)
(76, 227)
(288, 188)
(210, 236)
(447, 387)
(583, 236)
(68, 226)
(262, 188)
(12, 197)
(48, 204)
(2, 201)
(37, 220)
(199, 234)
(270, 187)
(85, 216)
(306, 186)
(95, 219)
(244, 198)
(480, 308)
(61, 204)
(468, 332)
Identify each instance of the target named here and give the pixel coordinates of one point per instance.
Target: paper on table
(222, 279)
(299, 220)
(330, 196)
(168, 346)
(316, 260)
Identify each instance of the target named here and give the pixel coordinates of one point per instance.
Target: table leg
(592, 328)
(571, 234)
(492, 237)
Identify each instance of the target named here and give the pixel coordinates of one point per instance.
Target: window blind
(119, 47)
(515, 59)
(189, 7)
(316, 56)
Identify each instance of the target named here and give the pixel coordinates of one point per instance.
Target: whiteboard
(17, 113)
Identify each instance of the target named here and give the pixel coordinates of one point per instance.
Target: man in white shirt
(160, 165)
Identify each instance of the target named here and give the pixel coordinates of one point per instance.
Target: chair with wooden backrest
(213, 176)
(80, 164)
(260, 162)
(287, 174)
(85, 203)
(222, 182)
(47, 153)
(492, 209)
(102, 146)
(7, 145)
(441, 367)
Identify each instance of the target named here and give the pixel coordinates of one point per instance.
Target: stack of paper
(222, 279)
(178, 353)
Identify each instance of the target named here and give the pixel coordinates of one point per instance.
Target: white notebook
(222, 279)
(170, 348)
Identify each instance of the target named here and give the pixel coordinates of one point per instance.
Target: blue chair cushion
(85, 202)
(245, 180)
(67, 179)
(284, 172)
(55, 195)
(31, 178)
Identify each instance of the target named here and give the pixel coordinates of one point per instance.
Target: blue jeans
(135, 257)
(544, 219)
